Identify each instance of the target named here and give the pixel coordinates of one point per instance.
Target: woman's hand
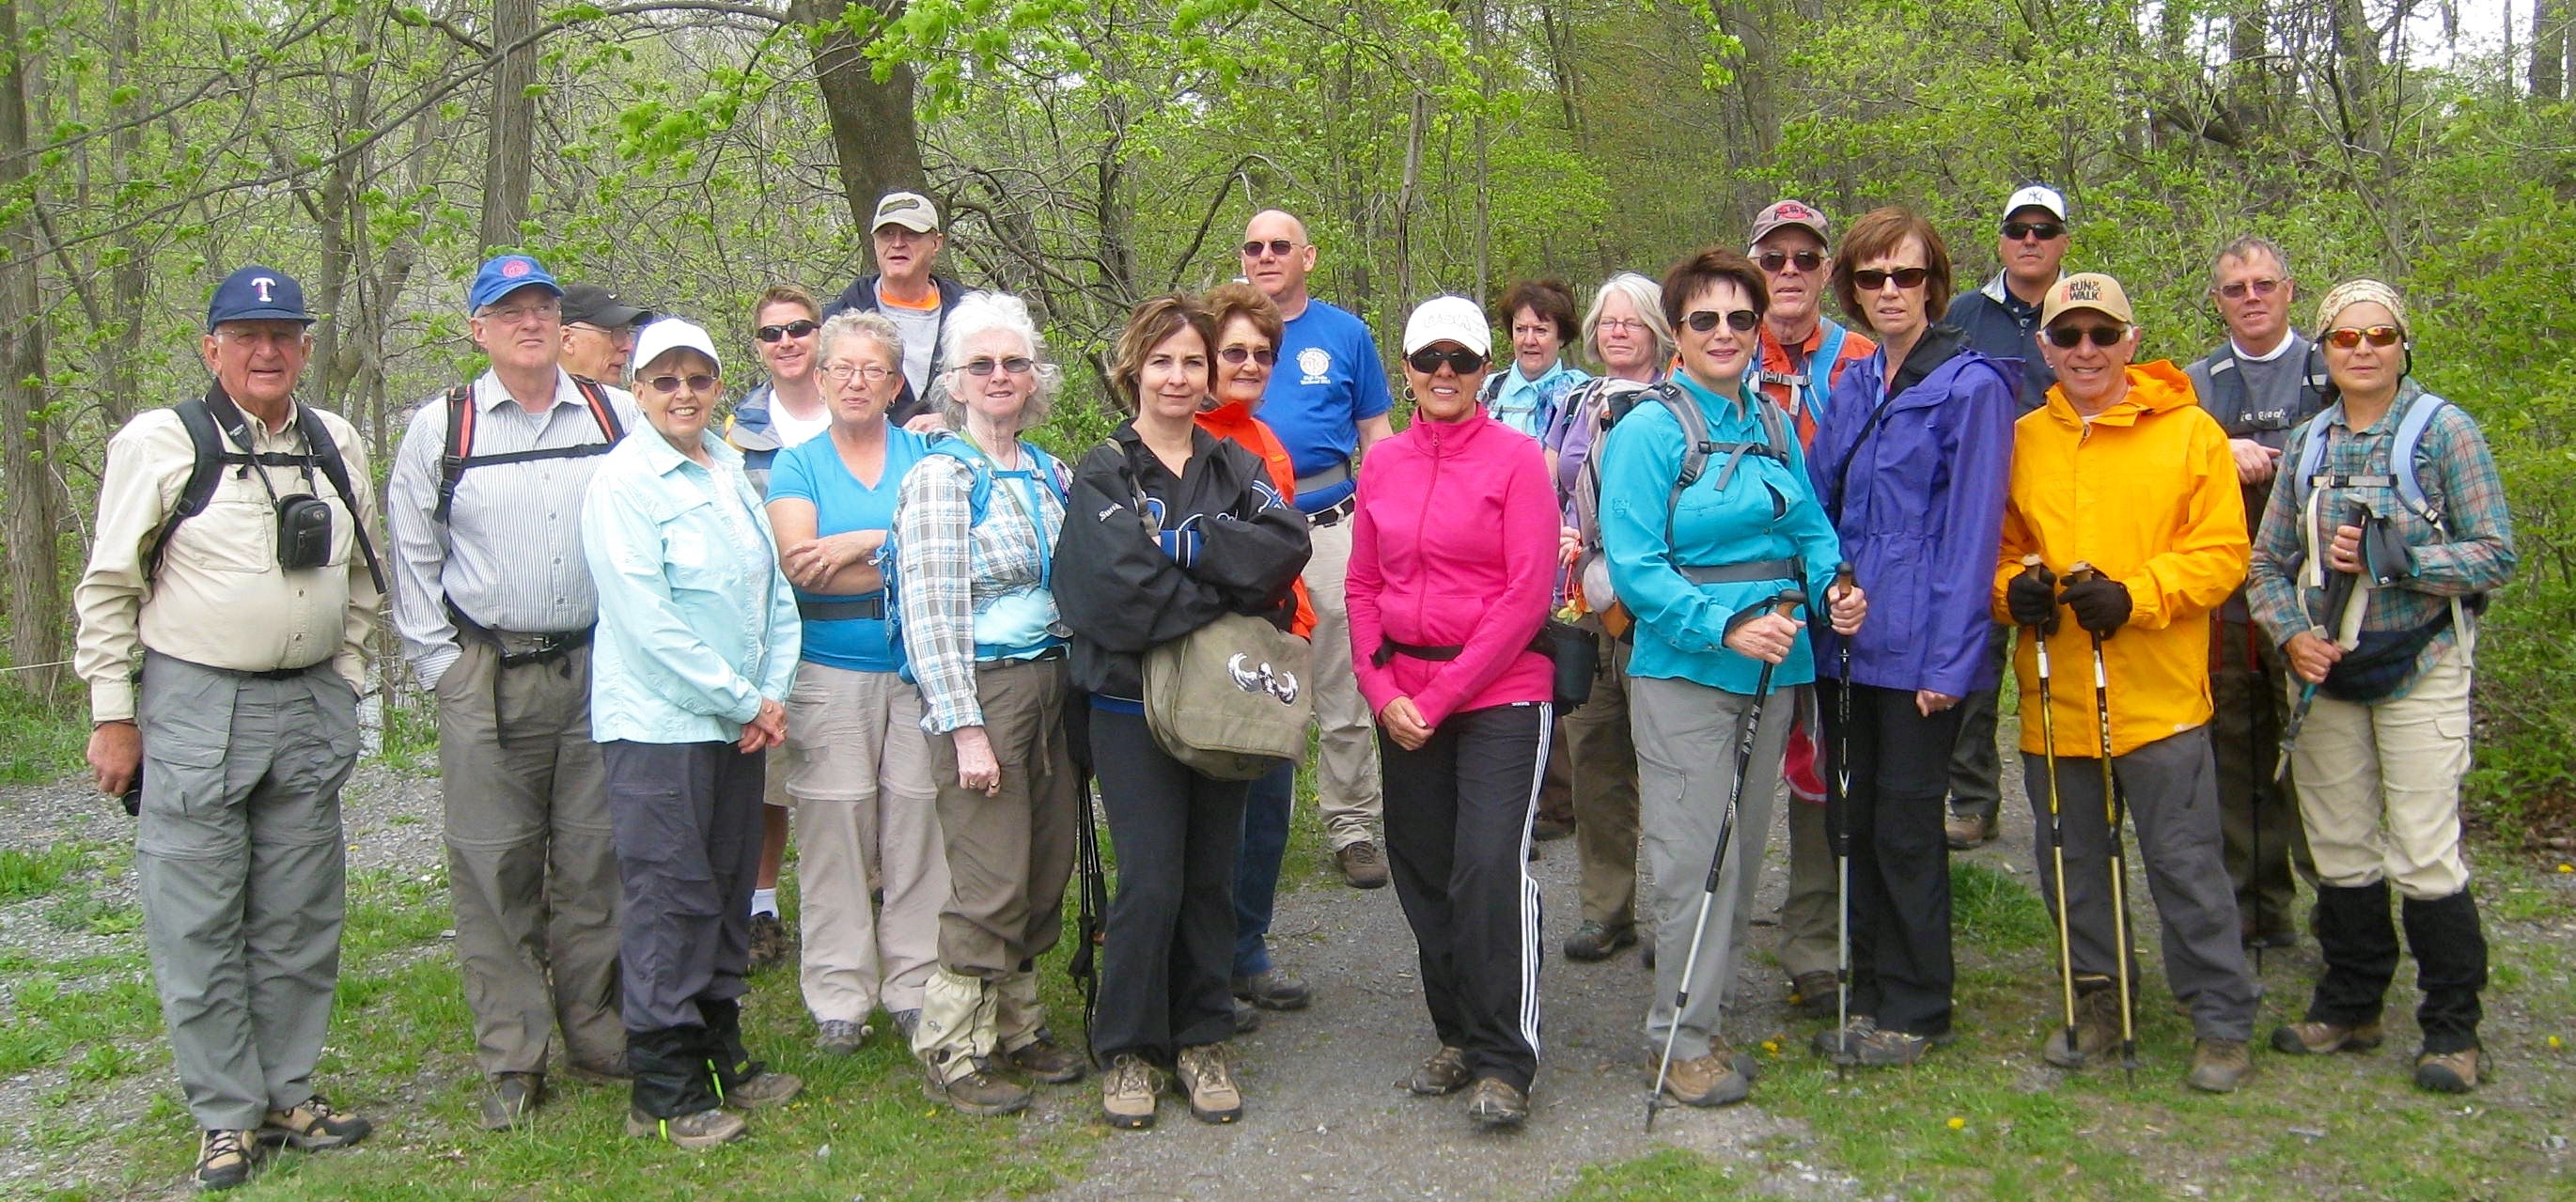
(1929, 703)
(1569, 544)
(1404, 724)
(977, 770)
(807, 564)
(767, 729)
(1768, 638)
(1846, 606)
(2310, 656)
(2344, 554)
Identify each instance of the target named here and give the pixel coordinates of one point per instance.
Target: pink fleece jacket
(1454, 543)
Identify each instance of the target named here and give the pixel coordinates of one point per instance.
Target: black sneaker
(1272, 989)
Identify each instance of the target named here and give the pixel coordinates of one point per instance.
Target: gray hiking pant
(240, 861)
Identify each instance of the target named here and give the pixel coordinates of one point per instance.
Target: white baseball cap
(1448, 319)
(2037, 196)
(671, 334)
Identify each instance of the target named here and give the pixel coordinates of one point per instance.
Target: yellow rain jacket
(2147, 494)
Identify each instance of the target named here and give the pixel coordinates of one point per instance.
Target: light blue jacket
(1768, 511)
(696, 624)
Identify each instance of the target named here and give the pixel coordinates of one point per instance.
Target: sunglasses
(2243, 288)
(2348, 337)
(1235, 355)
(794, 329)
(1016, 365)
(670, 385)
(1871, 279)
(2067, 338)
(2045, 231)
(1738, 320)
(1807, 260)
(1278, 248)
(1462, 361)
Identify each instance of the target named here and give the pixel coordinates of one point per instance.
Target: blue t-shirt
(1327, 383)
(812, 471)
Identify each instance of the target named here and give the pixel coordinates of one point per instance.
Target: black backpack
(212, 420)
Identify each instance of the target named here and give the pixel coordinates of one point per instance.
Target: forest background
(692, 152)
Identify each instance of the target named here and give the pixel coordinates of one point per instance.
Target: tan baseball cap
(2087, 290)
(911, 210)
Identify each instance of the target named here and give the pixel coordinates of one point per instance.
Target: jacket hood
(2158, 387)
(749, 429)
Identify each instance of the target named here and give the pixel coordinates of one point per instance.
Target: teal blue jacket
(1767, 511)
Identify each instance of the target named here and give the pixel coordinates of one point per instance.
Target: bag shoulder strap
(326, 451)
(460, 444)
(1820, 370)
(461, 414)
(2420, 413)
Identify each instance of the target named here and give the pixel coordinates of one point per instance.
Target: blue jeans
(1256, 866)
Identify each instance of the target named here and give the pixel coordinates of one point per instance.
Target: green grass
(26, 873)
(410, 736)
(40, 742)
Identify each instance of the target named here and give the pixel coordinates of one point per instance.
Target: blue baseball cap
(257, 293)
(502, 275)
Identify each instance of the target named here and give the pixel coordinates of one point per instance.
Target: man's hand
(1404, 724)
(2255, 463)
(2311, 655)
(2032, 598)
(115, 756)
(2101, 604)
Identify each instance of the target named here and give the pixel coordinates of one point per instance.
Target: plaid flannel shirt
(2471, 552)
(951, 569)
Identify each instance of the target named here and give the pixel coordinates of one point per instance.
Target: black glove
(2101, 604)
(2032, 598)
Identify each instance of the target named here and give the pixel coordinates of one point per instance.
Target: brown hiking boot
(2316, 1037)
(1495, 1104)
(2097, 1030)
(223, 1159)
(1043, 1059)
(1127, 1092)
(1968, 834)
(1815, 994)
(767, 1088)
(768, 941)
(1444, 1073)
(509, 1099)
(981, 1092)
(1209, 1084)
(1598, 941)
(2449, 1072)
(1715, 1079)
(312, 1127)
(2219, 1065)
(689, 1132)
(1361, 865)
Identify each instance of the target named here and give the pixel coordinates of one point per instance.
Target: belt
(1388, 649)
(1333, 514)
(1336, 474)
(1054, 652)
(870, 608)
(1743, 573)
(258, 674)
(521, 648)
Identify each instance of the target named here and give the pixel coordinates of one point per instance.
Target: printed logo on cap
(512, 269)
(263, 284)
(2083, 290)
(1790, 210)
(1317, 363)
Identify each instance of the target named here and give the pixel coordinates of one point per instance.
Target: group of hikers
(1765, 559)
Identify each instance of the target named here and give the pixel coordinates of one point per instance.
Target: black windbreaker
(1121, 593)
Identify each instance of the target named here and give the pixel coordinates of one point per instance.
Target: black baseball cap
(257, 293)
(594, 305)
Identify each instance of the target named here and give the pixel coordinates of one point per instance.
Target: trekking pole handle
(2081, 571)
(1845, 579)
(1789, 602)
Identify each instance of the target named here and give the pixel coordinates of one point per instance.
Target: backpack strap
(203, 475)
(2401, 455)
(318, 441)
(1820, 370)
(2227, 388)
(460, 444)
(461, 414)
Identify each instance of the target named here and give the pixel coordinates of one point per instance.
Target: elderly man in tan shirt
(222, 621)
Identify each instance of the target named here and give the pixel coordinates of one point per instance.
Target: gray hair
(1647, 297)
(981, 313)
(2244, 249)
(860, 325)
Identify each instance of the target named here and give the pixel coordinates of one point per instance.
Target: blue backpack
(1042, 467)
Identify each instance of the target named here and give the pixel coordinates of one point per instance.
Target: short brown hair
(1147, 326)
(1228, 301)
(1878, 234)
(1693, 275)
(785, 294)
(1549, 298)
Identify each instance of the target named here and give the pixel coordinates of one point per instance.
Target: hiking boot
(840, 1036)
(2219, 1065)
(1043, 1059)
(1838, 1044)
(1882, 1048)
(223, 1159)
(509, 1099)
(1546, 830)
(981, 1092)
(768, 941)
(1494, 1104)
(1209, 1084)
(1815, 994)
(1247, 1019)
(1272, 989)
(1598, 941)
(1966, 833)
(2317, 1037)
(312, 1127)
(763, 1089)
(1127, 1092)
(2097, 1030)
(1715, 1079)
(1361, 865)
(2449, 1072)
(1444, 1073)
(688, 1132)
(906, 1021)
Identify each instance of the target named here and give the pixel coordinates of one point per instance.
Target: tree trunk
(509, 147)
(33, 521)
(126, 280)
(2549, 49)
(874, 139)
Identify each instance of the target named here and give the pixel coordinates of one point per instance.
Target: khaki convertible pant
(867, 819)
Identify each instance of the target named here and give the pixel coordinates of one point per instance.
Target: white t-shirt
(792, 429)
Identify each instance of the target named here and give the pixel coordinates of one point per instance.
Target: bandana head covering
(2353, 292)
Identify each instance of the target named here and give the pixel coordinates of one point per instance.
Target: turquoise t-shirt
(812, 471)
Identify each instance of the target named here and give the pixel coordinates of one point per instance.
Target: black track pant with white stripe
(1457, 840)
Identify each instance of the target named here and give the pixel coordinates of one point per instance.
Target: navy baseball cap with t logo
(257, 293)
(502, 275)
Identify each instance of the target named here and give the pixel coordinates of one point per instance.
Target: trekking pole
(2056, 828)
(1091, 906)
(1785, 603)
(2119, 856)
(1838, 828)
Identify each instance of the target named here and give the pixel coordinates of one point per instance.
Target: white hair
(1647, 297)
(860, 325)
(980, 313)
